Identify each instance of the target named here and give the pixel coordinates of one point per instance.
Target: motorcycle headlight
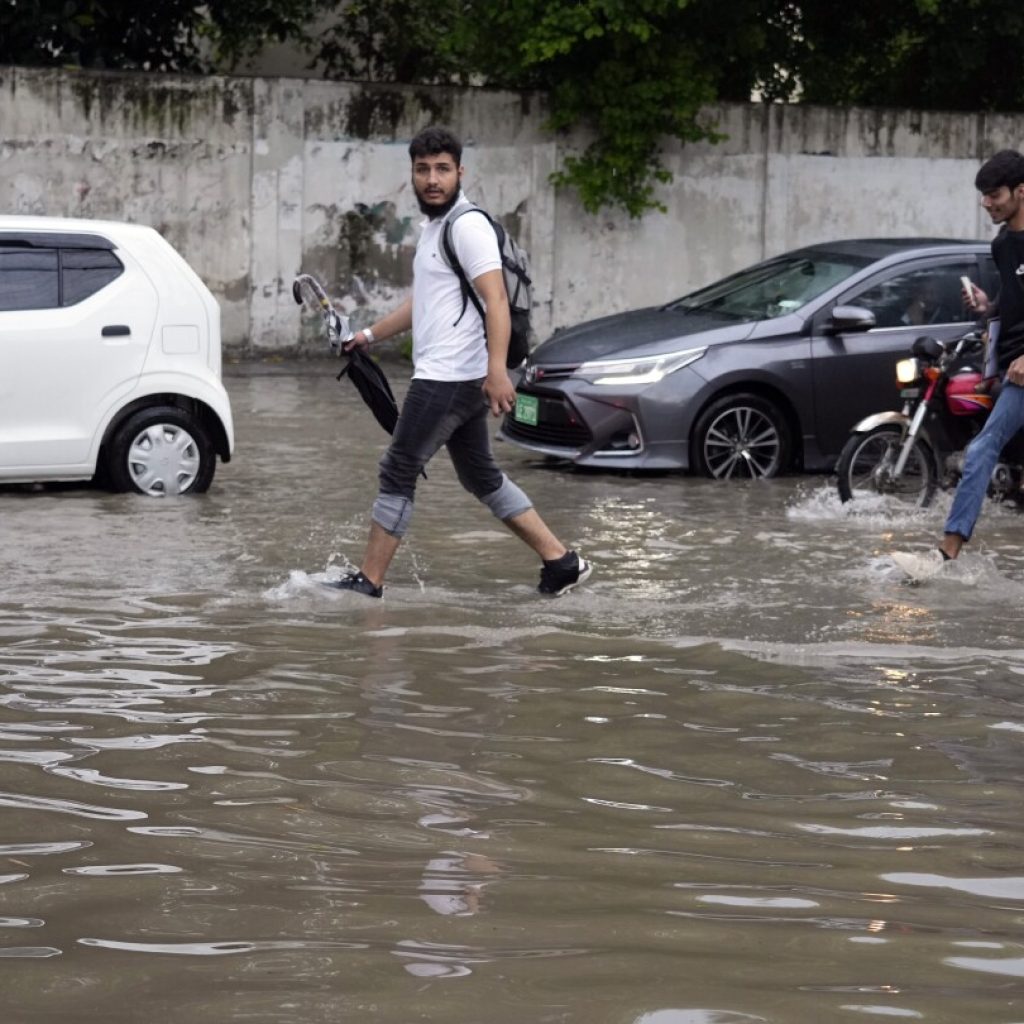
(645, 370)
(907, 371)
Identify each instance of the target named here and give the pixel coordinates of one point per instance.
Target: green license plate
(526, 410)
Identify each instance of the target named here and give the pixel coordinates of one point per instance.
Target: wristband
(368, 335)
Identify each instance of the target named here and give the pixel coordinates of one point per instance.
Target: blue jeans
(983, 452)
(435, 414)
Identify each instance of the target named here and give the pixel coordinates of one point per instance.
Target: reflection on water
(745, 774)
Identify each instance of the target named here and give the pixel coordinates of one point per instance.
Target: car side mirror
(850, 318)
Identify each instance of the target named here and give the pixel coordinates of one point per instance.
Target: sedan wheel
(161, 452)
(742, 437)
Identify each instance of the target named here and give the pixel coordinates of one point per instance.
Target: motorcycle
(913, 453)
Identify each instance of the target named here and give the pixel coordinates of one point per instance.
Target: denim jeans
(1006, 418)
(453, 414)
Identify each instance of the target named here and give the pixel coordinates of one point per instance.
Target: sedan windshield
(772, 289)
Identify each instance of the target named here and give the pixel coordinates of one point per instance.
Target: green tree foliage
(169, 35)
(634, 71)
(392, 41)
(924, 54)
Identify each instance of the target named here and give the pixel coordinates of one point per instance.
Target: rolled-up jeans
(1006, 418)
(452, 414)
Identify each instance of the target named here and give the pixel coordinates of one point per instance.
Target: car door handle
(116, 331)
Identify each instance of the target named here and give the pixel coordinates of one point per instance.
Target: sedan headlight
(642, 370)
(907, 371)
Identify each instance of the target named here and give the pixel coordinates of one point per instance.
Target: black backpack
(515, 266)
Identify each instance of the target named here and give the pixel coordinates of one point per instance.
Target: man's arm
(498, 389)
(397, 321)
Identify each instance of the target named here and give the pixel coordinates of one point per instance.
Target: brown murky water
(742, 775)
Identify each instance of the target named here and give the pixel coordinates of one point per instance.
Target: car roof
(62, 229)
(879, 248)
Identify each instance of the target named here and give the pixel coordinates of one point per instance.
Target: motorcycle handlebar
(972, 341)
(933, 349)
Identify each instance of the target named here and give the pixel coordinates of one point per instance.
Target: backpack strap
(468, 291)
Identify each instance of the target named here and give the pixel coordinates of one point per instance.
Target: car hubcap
(742, 442)
(163, 459)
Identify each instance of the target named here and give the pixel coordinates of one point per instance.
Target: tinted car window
(929, 295)
(28, 278)
(85, 271)
(772, 289)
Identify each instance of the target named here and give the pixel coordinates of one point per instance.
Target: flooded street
(743, 774)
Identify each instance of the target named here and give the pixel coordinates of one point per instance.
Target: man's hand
(975, 299)
(499, 392)
(358, 340)
(1015, 374)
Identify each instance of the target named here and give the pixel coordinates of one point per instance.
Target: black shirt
(1008, 253)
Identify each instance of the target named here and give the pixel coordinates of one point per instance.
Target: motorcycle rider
(1000, 181)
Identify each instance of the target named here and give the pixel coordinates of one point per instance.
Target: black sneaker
(355, 581)
(562, 574)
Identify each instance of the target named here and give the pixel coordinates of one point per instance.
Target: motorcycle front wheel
(867, 462)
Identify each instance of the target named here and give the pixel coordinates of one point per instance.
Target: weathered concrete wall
(256, 179)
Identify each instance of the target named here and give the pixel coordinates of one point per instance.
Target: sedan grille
(536, 373)
(558, 424)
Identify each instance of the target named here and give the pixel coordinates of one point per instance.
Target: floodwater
(744, 774)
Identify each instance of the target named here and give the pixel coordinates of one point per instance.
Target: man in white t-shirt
(459, 372)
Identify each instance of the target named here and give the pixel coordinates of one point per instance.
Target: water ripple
(39, 803)
(112, 870)
(222, 948)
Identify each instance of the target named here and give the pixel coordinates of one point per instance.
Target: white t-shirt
(441, 348)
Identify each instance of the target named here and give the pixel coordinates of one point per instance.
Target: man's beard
(435, 211)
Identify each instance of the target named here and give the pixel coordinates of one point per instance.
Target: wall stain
(169, 105)
(377, 113)
(515, 222)
(373, 113)
(438, 105)
(363, 250)
(237, 290)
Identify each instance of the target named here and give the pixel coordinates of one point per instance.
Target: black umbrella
(369, 379)
(372, 385)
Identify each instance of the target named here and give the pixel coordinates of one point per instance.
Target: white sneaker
(920, 566)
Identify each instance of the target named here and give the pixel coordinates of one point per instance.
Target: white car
(110, 359)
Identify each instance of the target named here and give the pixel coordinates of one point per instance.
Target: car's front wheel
(743, 437)
(161, 451)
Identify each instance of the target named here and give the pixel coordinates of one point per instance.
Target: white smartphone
(969, 288)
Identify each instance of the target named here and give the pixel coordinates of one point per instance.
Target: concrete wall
(257, 179)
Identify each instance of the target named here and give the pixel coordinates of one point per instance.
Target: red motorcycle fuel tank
(963, 400)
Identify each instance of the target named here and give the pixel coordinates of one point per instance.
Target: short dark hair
(1005, 168)
(435, 140)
